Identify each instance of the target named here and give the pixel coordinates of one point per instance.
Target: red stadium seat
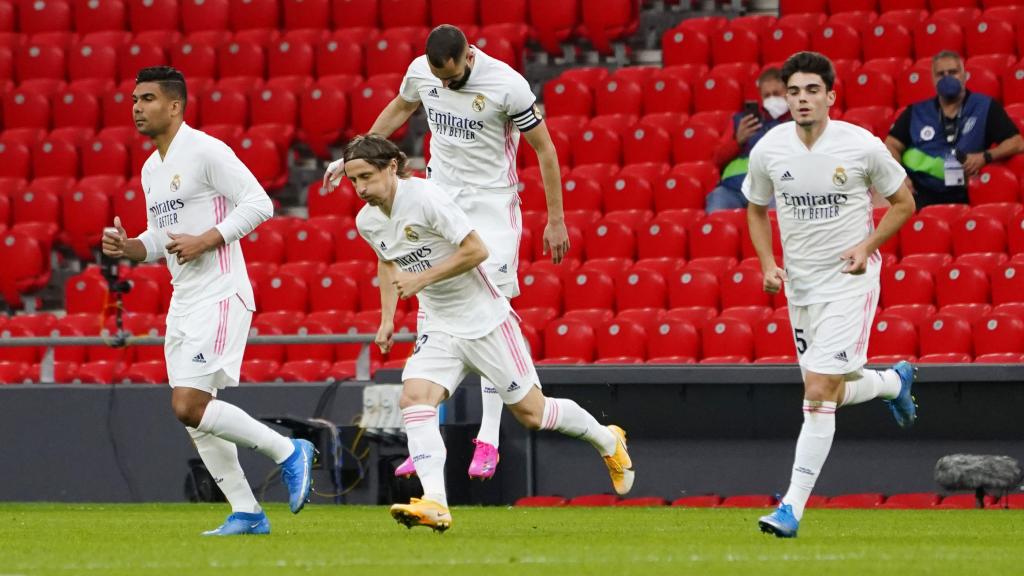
(709, 501)
(871, 89)
(996, 183)
(674, 339)
(893, 336)
(773, 338)
(749, 501)
(86, 293)
(781, 42)
(540, 290)
(709, 238)
(283, 293)
(620, 338)
(872, 500)
(978, 234)
(619, 96)
(1008, 284)
(263, 159)
(588, 290)
(45, 16)
(913, 501)
(684, 47)
(569, 339)
(931, 37)
(309, 243)
(240, 58)
(914, 85)
(610, 240)
(693, 288)
(664, 93)
(640, 289)
(734, 45)
(998, 334)
(837, 41)
(195, 60)
(727, 338)
(916, 313)
(945, 334)
(596, 146)
(887, 40)
(324, 114)
(388, 57)
(333, 291)
(924, 234)
(664, 239)
(553, 23)
(367, 102)
(717, 94)
(906, 285)
(85, 214)
(958, 284)
(38, 60)
(604, 21)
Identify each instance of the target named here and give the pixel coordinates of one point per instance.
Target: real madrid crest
(411, 234)
(175, 182)
(478, 103)
(839, 177)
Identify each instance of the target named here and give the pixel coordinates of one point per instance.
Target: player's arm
(388, 303)
(556, 237)
(228, 176)
(758, 189)
(899, 135)
(393, 116)
(471, 253)
(117, 244)
(901, 208)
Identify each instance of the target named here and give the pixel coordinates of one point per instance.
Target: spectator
(749, 127)
(944, 140)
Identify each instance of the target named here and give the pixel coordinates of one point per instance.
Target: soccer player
(820, 172)
(427, 248)
(200, 201)
(476, 107)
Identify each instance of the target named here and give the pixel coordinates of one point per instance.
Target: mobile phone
(751, 108)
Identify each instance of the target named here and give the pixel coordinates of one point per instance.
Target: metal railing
(127, 339)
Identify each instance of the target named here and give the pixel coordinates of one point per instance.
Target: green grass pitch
(151, 539)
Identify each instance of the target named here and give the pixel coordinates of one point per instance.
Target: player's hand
(407, 285)
(385, 337)
(774, 279)
(556, 240)
(186, 247)
(334, 173)
(974, 163)
(856, 260)
(114, 240)
(749, 125)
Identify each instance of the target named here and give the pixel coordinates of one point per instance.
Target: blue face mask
(948, 87)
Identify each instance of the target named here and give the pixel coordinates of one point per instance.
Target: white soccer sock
(565, 416)
(426, 447)
(866, 384)
(221, 460)
(490, 417)
(231, 423)
(811, 451)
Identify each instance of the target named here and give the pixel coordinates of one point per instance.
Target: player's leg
(208, 358)
(502, 357)
(431, 374)
(892, 385)
(497, 217)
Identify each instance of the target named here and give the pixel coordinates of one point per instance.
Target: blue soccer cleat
(296, 473)
(904, 410)
(242, 523)
(782, 523)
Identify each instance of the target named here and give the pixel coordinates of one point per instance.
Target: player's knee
(187, 410)
(530, 419)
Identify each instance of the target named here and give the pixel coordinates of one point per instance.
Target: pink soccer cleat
(485, 460)
(407, 469)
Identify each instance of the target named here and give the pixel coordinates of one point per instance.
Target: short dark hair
(378, 151)
(772, 73)
(171, 81)
(446, 42)
(810, 63)
(943, 54)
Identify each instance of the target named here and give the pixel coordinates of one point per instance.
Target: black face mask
(461, 82)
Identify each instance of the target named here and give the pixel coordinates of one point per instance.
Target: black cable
(111, 407)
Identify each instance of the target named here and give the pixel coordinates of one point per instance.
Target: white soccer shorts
(500, 356)
(832, 337)
(496, 216)
(204, 349)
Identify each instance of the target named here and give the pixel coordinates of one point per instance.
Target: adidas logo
(841, 356)
(433, 93)
(383, 247)
(198, 359)
(513, 387)
(503, 269)
(787, 177)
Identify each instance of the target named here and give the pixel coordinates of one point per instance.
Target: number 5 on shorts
(801, 344)
(420, 342)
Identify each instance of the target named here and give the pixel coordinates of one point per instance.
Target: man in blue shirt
(944, 140)
(748, 128)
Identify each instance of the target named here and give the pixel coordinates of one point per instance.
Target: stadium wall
(692, 430)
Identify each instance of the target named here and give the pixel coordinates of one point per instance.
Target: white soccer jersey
(425, 228)
(474, 131)
(823, 202)
(198, 185)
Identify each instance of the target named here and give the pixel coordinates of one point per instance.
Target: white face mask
(775, 106)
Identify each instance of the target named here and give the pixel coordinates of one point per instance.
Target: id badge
(954, 171)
